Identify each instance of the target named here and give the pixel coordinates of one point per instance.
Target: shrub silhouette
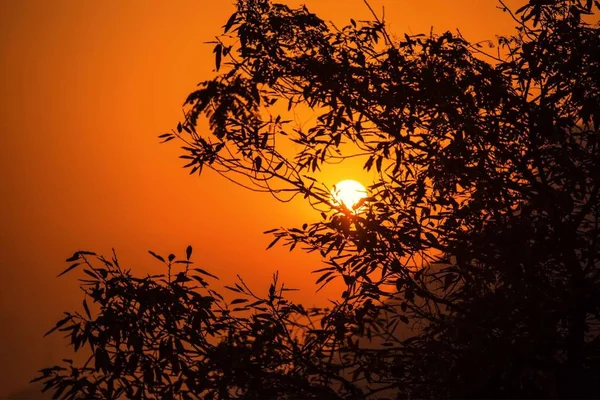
(479, 237)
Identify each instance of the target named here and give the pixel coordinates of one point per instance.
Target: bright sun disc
(348, 193)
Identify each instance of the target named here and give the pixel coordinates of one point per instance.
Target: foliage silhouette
(471, 270)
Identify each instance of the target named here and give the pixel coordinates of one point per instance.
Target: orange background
(85, 88)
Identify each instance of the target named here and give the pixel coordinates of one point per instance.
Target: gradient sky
(85, 88)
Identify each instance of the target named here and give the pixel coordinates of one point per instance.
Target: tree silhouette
(471, 270)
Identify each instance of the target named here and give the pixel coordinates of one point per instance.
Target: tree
(480, 233)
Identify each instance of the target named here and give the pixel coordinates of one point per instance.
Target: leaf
(257, 163)
(102, 360)
(323, 269)
(399, 284)
(360, 58)
(68, 269)
(205, 273)
(273, 242)
(86, 308)
(156, 256)
(395, 265)
(59, 324)
(91, 273)
(239, 301)
(378, 163)
(266, 316)
(257, 303)
(448, 280)
(232, 20)
(188, 253)
(59, 391)
(218, 54)
(181, 277)
(323, 277)
(200, 280)
(74, 257)
(171, 257)
(432, 238)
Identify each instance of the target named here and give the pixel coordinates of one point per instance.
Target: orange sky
(85, 88)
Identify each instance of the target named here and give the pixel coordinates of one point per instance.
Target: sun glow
(348, 193)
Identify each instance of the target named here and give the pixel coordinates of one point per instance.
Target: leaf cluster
(471, 270)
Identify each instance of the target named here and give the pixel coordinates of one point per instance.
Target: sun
(348, 192)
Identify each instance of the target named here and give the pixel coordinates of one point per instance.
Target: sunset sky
(85, 88)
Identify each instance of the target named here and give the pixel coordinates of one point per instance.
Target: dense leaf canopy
(471, 270)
